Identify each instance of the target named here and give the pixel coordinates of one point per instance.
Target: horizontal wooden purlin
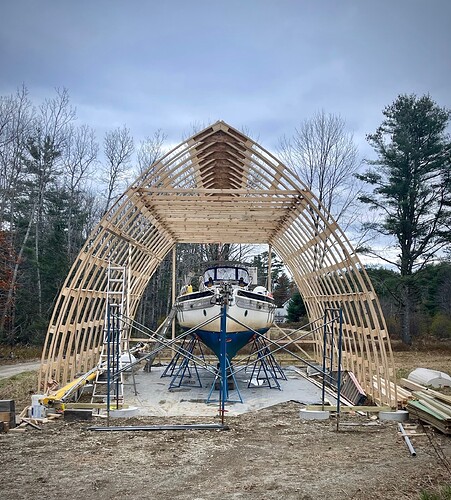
(219, 229)
(244, 239)
(236, 211)
(177, 219)
(210, 202)
(232, 204)
(207, 191)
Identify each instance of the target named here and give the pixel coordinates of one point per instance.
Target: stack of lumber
(429, 406)
(386, 389)
(432, 407)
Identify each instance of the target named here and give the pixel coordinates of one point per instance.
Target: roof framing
(220, 186)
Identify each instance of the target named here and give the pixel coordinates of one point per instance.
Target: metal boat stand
(217, 383)
(184, 368)
(186, 350)
(265, 368)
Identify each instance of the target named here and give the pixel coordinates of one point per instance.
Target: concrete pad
(155, 399)
(394, 416)
(313, 414)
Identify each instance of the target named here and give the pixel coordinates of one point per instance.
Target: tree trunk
(9, 299)
(406, 308)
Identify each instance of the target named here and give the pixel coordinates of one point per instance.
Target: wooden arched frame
(220, 186)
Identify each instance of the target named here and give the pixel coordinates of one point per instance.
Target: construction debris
(432, 407)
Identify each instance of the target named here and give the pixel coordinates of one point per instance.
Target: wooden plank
(206, 191)
(413, 386)
(5, 416)
(347, 409)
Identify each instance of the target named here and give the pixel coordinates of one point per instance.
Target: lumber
(347, 409)
(413, 386)
(31, 422)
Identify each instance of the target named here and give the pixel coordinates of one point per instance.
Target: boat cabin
(221, 274)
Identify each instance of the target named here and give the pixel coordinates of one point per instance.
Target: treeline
(430, 300)
(57, 179)
(430, 290)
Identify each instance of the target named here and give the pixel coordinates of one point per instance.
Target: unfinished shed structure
(220, 186)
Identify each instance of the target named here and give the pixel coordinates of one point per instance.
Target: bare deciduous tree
(80, 154)
(45, 150)
(325, 157)
(118, 149)
(150, 150)
(16, 119)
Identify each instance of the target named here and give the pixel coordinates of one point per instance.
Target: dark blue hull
(234, 341)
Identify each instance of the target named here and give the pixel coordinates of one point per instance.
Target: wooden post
(269, 268)
(269, 285)
(174, 254)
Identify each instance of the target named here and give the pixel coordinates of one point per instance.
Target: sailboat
(249, 310)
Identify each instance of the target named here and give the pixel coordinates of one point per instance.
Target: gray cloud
(261, 64)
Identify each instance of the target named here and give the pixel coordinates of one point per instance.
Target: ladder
(115, 339)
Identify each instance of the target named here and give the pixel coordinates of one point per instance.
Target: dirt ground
(268, 454)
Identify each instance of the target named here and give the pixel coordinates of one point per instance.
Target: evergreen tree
(411, 188)
(260, 261)
(296, 308)
(282, 290)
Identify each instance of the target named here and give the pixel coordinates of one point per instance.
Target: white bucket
(37, 409)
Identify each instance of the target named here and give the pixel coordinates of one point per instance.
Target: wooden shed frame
(220, 186)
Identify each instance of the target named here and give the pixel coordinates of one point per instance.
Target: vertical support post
(269, 285)
(108, 368)
(117, 351)
(174, 260)
(323, 394)
(128, 291)
(223, 355)
(340, 347)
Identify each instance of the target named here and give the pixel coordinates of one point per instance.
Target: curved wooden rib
(220, 186)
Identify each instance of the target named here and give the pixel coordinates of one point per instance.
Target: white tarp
(427, 377)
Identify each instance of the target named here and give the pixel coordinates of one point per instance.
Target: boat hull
(245, 316)
(234, 341)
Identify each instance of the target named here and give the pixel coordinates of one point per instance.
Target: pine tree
(296, 308)
(411, 188)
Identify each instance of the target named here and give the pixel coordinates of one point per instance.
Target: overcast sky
(259, 64)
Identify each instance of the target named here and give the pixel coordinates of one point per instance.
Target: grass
(11, 354)
(443, 494)
(19, 387)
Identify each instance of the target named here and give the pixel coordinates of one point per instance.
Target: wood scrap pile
(25, 421)
(429, 406)
(432, 407)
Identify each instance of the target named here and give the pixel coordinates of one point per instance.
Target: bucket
(37, 409)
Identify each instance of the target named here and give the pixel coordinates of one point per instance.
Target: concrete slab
(155, 399)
